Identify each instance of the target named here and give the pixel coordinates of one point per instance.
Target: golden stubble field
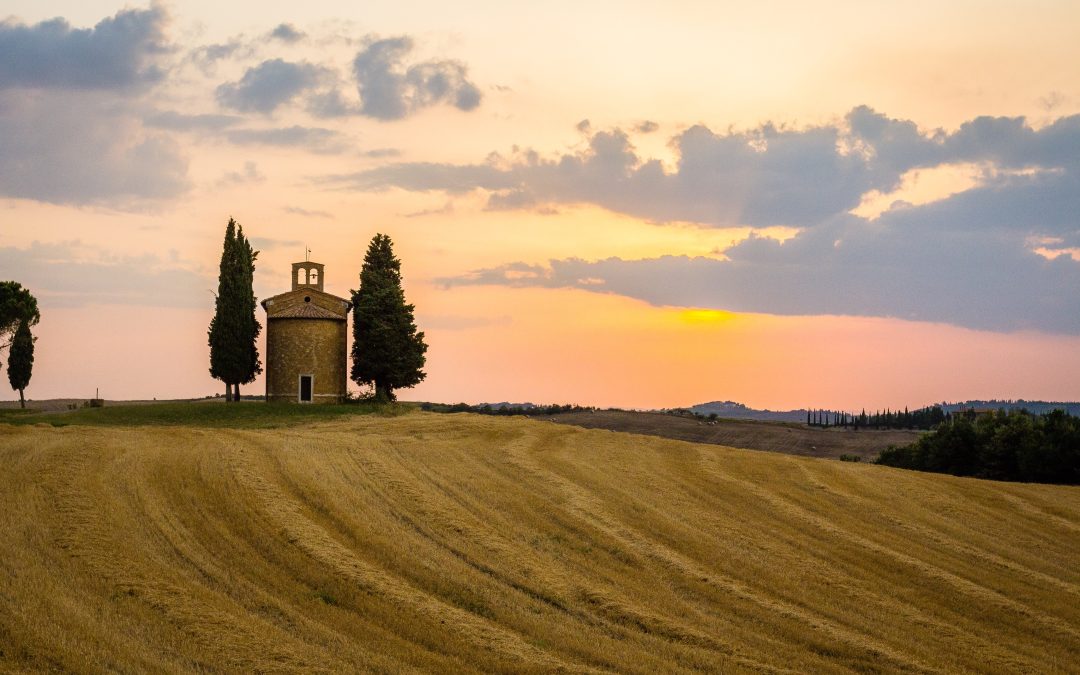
(456, 543)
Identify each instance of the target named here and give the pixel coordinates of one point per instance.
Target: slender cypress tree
(388, 351)
(250, 326)
(21, 360)
(234, 330)
(227, 354)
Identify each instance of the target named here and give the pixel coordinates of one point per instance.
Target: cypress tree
(234, 330)
(21, 360)
(249, 324)
(388, 351)
(225, 336)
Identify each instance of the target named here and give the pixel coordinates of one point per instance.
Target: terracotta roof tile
(305, 311)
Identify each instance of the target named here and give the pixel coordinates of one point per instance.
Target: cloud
(446, 208)
(986, 283)
(174, 121)
(84, 148)
(425, 176)
(646, 127)
(314, 139)
(380, 153)
(206, 57)
(307, 213)
(390, 90)
(120, 52)
(286, 32)
(71, 274)
(249, 174)
(997, 255)
(265, 87)
(769, 175)
(331, 103)
(70, 102)
(267, 243)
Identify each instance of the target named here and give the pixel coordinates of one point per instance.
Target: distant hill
(733, 410)
(738, 411)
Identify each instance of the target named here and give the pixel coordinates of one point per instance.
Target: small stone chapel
(306, 340)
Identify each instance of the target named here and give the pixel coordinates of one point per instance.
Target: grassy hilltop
(460, 542)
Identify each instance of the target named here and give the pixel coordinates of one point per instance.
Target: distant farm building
(306, 349)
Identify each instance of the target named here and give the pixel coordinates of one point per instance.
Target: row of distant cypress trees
(923, 418)
(234, 330)
(388, 351)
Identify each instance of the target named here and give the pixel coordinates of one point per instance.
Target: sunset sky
(638, 204)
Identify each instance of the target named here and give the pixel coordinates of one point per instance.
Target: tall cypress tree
(227, 355)
(234, 330)
(21, 360)
(250, 326)
(388, 351)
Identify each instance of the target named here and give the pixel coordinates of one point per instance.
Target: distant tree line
(488, 409)
(692, 414)
(1035, 407)
(1006, 445)
(923, 418)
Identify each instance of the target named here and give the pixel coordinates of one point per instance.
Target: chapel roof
(304, 311)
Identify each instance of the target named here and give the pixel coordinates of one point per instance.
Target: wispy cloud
(249, 174)
(315, 139)
(175, 121)
(307, 213)
(72, 274)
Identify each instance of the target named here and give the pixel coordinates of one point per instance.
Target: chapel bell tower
(307, 275)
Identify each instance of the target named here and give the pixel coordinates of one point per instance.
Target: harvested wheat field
(793, 439)
(463, 543)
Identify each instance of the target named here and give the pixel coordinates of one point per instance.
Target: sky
(843, 205)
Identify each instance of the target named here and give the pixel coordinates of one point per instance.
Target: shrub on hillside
(1015, 446)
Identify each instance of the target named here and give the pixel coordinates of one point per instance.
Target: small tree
(388, 351)
(21, 360)
(16, 305)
